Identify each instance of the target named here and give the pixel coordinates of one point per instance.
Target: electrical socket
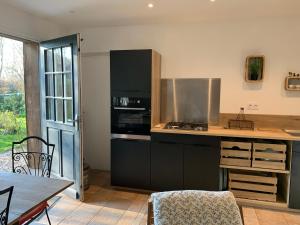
(252, 106)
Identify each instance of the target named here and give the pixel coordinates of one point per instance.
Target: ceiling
(91, 13)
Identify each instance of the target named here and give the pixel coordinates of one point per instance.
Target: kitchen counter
(275, 134)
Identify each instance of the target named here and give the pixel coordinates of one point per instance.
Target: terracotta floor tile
(107, 216)
(292, 218)
(54, 220)
(118, 203)
(271, 217)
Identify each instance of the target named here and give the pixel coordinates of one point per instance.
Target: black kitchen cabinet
(166, 166)
(294, 202)
(131, 72)
(201, 167)
(130, 163)
(184, 162)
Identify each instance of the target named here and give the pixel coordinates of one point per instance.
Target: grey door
(60, 106)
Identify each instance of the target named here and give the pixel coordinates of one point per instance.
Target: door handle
(76, 121)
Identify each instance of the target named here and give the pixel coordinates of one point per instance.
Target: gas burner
(187, 126)
(173, 125)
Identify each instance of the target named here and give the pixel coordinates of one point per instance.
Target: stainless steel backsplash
(190, 100)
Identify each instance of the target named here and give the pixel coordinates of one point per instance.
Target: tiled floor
(254, 216)
(106, 206)
(103, 205)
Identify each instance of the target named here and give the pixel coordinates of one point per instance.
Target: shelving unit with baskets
(257, 171)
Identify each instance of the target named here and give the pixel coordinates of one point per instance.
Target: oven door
(130, 120)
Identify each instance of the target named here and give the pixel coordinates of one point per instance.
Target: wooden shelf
(255, 169)
(280, 204)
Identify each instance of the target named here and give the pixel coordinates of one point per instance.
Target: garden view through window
(12, 97)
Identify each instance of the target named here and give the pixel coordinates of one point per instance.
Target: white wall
(96, 105)
(20, 24)
(214, 49)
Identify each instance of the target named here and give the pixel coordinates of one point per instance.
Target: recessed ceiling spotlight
(150, 5)
(212, 0)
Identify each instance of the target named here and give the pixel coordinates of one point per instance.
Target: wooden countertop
(275, 134)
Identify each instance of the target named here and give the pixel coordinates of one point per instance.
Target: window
(58, 84)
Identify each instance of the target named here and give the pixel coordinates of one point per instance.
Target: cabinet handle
(195, 145)
(128, 108)
(166, 142)
(199, 145)
(133, 140)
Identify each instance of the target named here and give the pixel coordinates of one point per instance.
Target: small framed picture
(254, 68)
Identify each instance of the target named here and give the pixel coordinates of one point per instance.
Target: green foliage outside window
(8, 123)
(14, 103)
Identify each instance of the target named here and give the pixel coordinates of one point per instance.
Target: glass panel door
(60, 107)
(59, 85)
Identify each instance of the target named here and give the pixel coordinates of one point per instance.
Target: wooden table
(29, 191)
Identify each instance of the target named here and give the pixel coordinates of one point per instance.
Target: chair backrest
(32, 156)
(203, 207)
(150, 216)
(5, 197)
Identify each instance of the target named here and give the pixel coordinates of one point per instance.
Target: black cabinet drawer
(166, 167)
(130, 163)
(201, 140)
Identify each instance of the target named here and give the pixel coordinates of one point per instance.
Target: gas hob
(187, 126)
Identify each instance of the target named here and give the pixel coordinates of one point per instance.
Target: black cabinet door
(295, 178)
(201, 167)
(166, 166)
(131, 71)
(130, 163)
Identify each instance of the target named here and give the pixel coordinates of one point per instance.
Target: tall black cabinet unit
(294, 202)
(135, 77)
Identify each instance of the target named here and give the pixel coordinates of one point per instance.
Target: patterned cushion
(195, 208)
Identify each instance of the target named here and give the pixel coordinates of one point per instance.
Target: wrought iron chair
(4, 212)
(33, 156)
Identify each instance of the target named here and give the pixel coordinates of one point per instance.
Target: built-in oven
(130, 116)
